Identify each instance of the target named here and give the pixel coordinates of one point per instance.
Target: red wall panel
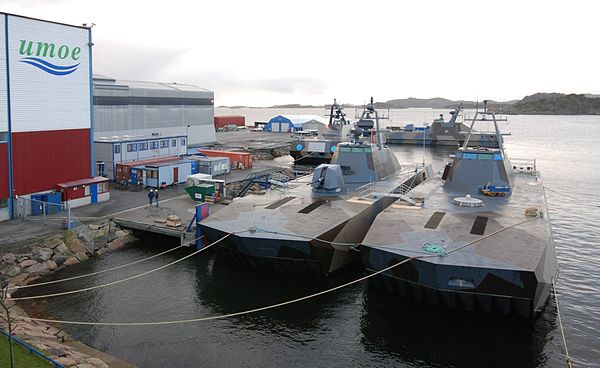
(43, 159)
(4, 185)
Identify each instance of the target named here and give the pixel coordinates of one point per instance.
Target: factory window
(103, 187)
(154, 145)
(183, 141)
(143, 146)
(132, 147)
(3, 136)
(118, 148)
(164, 144)
(174, 143)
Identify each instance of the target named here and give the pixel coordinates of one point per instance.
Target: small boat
(312, 148)
(310, 225)
(442, 133)
(481, 240)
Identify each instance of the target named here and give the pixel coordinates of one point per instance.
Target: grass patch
(23, 358)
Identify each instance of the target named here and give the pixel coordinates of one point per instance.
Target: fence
(57, 215)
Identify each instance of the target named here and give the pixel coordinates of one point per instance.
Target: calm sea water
(356, 326)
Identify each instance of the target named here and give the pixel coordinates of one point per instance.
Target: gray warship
(482, 237)
(311, 225)
(313, 151)
(442, 133)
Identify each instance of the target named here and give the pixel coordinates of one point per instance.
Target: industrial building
(116, 150)
(292, 123)
(45, 107)
(124, 107)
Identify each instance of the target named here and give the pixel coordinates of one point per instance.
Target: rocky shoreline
(50, 255)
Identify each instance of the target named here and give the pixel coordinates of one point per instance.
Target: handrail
(32, 349)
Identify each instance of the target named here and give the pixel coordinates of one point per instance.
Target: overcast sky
(263, 53)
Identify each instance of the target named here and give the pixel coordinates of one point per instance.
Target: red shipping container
(236, 158)
(223, 121)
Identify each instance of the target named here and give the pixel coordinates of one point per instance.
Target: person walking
(156, 196)
(151, 196)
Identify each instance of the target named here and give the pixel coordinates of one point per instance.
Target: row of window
(144, 146)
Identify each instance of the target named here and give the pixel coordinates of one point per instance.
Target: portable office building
(162, 175)
(214, 166)
(79, 193)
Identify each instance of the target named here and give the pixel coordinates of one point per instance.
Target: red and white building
(45, 107)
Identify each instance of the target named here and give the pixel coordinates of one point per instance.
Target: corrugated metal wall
(43, 96)
(43, 159)
(3, 94)
(4, 190)
(142, 108)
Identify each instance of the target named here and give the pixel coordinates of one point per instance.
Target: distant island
(554, 104)
(536, 104)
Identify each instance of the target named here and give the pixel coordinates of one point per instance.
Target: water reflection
(412, 331)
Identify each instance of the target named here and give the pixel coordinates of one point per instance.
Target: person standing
(151, 196)
(156, 196)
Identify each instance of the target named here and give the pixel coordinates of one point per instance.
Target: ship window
(497, 156)
(462, 283)
(469, 156)
(117, 148)
(479, 225)
(313, 206)
(279, 203)
(346, 149)
(486, 156)
(143, 146)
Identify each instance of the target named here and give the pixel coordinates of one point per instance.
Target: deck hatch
(313, 206)
(279, 203)
(479, 225)
(435, 220)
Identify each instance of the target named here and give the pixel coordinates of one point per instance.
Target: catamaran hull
(499, 291)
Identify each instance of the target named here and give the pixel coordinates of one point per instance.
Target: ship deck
(516, 248)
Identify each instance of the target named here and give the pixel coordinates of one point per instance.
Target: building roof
(77, 183)
(135, 138)
(103, 80)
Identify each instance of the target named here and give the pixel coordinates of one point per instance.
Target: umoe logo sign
(33, 51)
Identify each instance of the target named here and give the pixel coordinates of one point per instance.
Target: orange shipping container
(238, 159)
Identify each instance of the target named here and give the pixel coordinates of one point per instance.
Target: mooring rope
(560, 324)
(101, 271)
(247, 311)
(229, 315)
(76, 291)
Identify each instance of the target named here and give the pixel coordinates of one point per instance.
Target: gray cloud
(223, 81)
(287, 85)
(128, 61)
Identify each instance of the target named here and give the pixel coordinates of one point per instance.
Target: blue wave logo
(49, 67)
